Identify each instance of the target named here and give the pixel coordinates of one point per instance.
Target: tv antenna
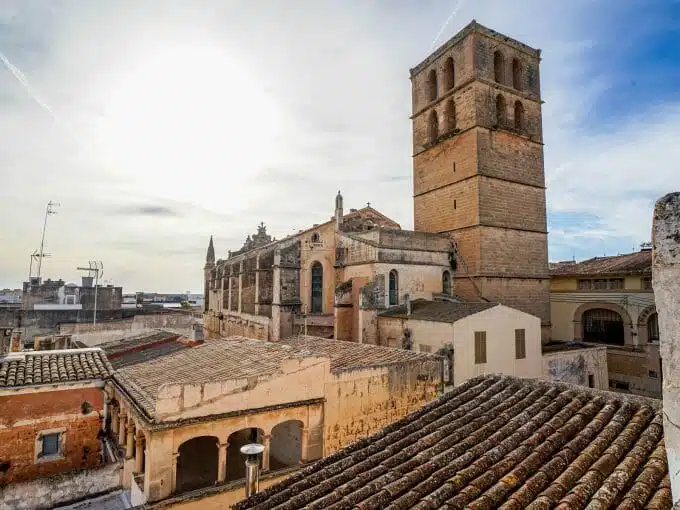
(97, 268)
(50, 209)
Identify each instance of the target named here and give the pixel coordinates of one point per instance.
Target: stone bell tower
(478, 172)
(207, 274)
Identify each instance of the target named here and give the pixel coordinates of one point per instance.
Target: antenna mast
(96, 267)
(50, 209)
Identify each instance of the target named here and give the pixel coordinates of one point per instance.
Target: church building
(479, 215)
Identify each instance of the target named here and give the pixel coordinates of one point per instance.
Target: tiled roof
(142, 348)
(240, 358)
(639, 262)
(52, 367)
(495, 442)
(346, 356)
(436, 311)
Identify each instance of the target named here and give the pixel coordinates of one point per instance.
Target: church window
(433, 127)
(317, 288)
(394, 288)
(449, 74)
(500, 111)
(516, 74)
(432, 85)
(498, 67)
(450, 115)
(519, 115)
(446, 283)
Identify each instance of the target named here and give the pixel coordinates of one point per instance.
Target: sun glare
(186, 111)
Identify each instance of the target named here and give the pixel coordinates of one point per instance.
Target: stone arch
(197, 463)
(648, 328)
(516, 74)
(450, 114)
(316, 282)
(625, 316)
(286, 444)
(519, 115)
(236, 467)
(432, 127)
(432, 90)
(498, 67)
(449, 74)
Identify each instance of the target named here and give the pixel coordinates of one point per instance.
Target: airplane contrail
(446, 23)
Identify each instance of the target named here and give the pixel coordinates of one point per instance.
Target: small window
(653, 373)
(646, 283)
(446, 282)
(480, 347)
(516, 74)
(519, 116)
(425, 348)
(449, 74)
(50, 444)
(616, 284)
(591, 381)
(432, 85)
(315, 238)
(600, 284)
(450, 115)
(585, 284)
(520, 344)
(498, 67)
(393, 289)
(433, 127)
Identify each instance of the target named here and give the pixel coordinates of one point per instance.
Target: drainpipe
(252, 452)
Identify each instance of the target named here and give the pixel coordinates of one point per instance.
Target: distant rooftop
(557, 346)
(436, 311)
(28, 368)
(639, 262)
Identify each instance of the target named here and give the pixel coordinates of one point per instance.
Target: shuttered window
(480, 347)
(520, 344)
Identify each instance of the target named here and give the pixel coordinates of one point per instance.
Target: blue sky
(208, 117)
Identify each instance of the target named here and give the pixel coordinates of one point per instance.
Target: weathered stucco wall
(575, 367)
(360, 403)
(666, 283)
(26, 414)
(49, 491)
(152, 321)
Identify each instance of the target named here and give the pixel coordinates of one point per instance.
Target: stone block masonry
(60, 489)
(666, 284)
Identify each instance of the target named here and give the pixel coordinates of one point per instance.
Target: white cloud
(232, 113)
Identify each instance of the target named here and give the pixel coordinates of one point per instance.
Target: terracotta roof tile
(639, 262)
(495, 442)
(46, 367)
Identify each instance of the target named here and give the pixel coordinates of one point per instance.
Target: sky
(155, 124)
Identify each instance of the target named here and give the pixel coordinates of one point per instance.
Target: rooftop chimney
(252, 452)
(87, 281)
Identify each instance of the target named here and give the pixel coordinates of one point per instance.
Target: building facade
(478, 171)
(58, 295)
(609, 301)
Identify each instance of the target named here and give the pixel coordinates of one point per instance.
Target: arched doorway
(236, 461)
(197, 463)
(446, 283)
(317, 288)
(602, 326)
(286, 445)
(653, 328)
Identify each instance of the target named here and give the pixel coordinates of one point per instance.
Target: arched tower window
(432, 85)
(498, 67)
(449, 74)
(450, 115)
(446, 283)
(519, 115)
(516, 74)
(394, 288)
(317, 288)
(432, 127)
(500, 110)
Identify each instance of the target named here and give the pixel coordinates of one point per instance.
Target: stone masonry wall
(359, 404)
(25, 415)
(61, 489)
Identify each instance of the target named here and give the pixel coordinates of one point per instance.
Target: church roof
(495, 442)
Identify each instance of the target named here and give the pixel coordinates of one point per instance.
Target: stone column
(229, 296)
(666, 284)
(304, 444)
(114, 420)
(276, 297)
(222, 462)
(130, 443)
(175, 459)
(266, 441)
(121, 427)
(139, 453)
